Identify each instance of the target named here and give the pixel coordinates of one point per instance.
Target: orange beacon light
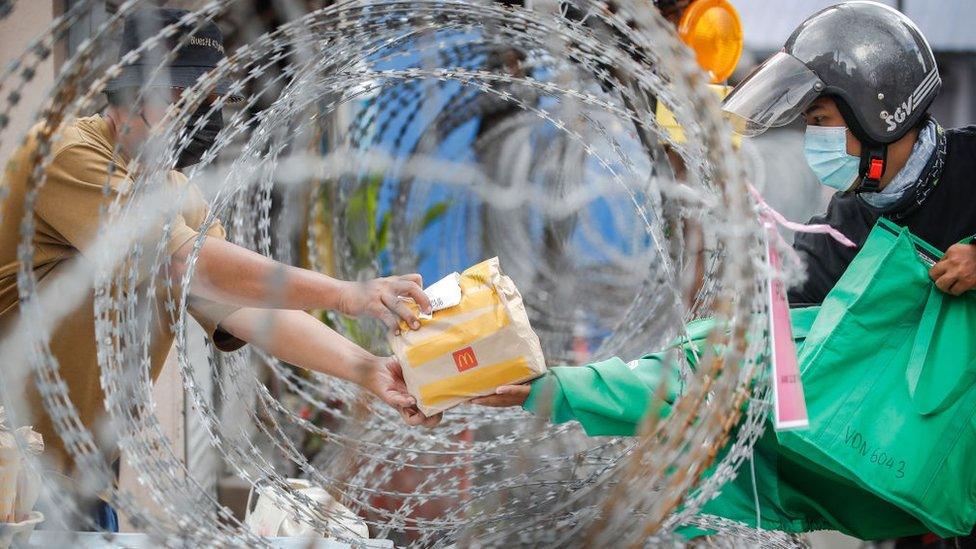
(712, 29)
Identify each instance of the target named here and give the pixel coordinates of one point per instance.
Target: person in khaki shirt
(235, 294)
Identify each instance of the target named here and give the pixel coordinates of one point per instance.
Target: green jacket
(795, 494)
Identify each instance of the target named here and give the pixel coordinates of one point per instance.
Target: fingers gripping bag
(477, 339)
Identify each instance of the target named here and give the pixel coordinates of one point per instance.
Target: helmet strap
(874, 155)
(874, 162)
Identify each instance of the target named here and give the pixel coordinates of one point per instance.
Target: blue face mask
(826, 150)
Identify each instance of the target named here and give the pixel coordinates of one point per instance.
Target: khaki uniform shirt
(67, 216)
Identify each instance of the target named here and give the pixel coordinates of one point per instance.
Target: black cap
(199, 54)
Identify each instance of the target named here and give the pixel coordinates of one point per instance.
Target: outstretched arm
(299, 338)
(228, 273)
(606, 398)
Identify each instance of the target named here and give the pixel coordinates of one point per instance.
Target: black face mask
(203, 138)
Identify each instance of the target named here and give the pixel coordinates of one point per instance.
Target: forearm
(606, 398)
(298, 338)
(231, 274)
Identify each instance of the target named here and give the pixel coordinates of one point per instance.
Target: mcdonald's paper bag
(475, 341)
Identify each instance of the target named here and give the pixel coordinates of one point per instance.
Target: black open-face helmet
(870, 58)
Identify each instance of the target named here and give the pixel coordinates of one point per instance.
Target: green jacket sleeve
(612, 397)
(606, 398)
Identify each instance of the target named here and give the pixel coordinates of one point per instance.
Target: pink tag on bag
(788, 402)
(790, 407)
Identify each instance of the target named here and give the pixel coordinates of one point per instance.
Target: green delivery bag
(888, 368)
(787, 491)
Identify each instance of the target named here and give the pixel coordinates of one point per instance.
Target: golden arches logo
(465, 359)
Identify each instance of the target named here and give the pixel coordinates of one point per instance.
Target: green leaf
(372, 188)
(433, 213)
(361, 227)
(383, 233)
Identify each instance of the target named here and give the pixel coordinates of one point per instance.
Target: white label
(445, 293)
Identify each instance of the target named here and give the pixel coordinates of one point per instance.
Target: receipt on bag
(444, 294)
